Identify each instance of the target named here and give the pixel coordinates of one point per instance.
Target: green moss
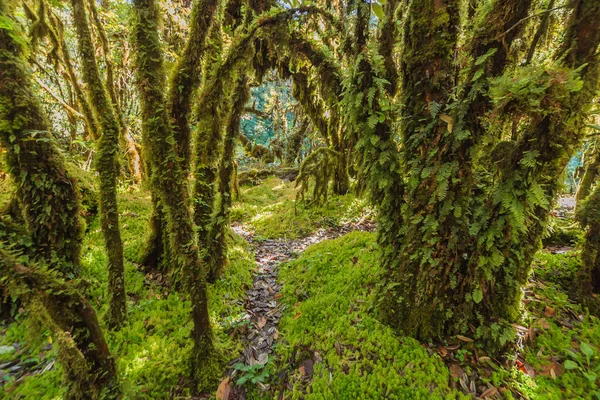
(559, 269)
(271, 211)
(152, 350)
(330, 316)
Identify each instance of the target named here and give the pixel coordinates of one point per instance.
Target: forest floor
(314, 305)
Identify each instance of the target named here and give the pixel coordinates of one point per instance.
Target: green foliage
(331, 317)
(152, 350)
(256, 373)
(271, 211)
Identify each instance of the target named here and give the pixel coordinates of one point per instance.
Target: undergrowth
(271, 211)
(152, 350)
(329, 292)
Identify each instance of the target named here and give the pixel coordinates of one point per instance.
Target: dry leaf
(543, 323)
(442, 351)
(223, 390)
(262, 321)
(490, 392)
(550, 312)
(456, 371)
(464, 338)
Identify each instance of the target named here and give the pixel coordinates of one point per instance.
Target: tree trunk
(458, 247)
(589, 177)
(169, 182)
(106, 164)
(217, 249)
(588, 276)
(51, 210)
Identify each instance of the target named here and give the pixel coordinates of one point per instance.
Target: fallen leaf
(464, 338)
(442, 351)
(223, 390)
(456, 371)
(549, 312)
(262, 321)
(543, 323)
(298, 315)
(489, 392)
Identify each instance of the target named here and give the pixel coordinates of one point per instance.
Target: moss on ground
(152, 350)
(331, 318)
(329, 292)
(271, 211)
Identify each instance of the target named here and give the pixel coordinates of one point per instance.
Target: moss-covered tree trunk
(217, 248)
(169, 182)
(107, 165)
(183, 82)
(468, 241)
(463, 213)
(588, 281)
(589, 178)
(51, 209)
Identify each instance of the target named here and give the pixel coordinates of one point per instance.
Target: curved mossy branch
(169, 182)
(107, 165)
(46, 190)
(88, 366)
(217, 246)
(209, 111)
(185, 78)
(328, 69)
(305, 93)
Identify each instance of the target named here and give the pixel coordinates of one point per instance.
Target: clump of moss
(331, 321)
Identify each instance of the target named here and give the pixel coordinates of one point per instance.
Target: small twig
(527, 18)
(67, 107)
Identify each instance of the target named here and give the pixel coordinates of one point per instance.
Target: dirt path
(263, 309)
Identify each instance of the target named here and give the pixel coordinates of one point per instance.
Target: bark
(217, 248)
(589, 177)
(89, 369)
(186, 78)
(106, 164)
(169, 182)
(51, 209)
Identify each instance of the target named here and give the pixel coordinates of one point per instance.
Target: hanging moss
(293, 144)
(107, 165)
